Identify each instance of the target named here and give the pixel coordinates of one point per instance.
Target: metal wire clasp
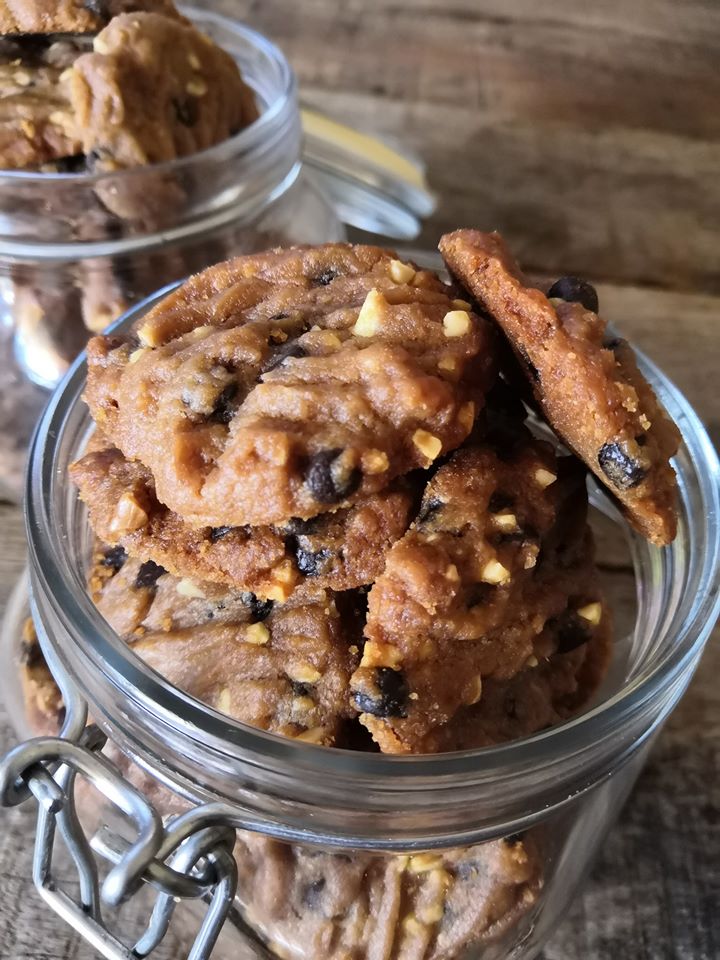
(187, 857)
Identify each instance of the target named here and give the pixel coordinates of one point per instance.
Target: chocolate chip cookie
(588, 386)
(37, 125)
(315, 905)
(72, 16)
(499, 550)
(292, 383)
(154, 89)
(283, 668)
(540, 696)
(338, 550)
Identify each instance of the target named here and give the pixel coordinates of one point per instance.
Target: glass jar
(339, 853)
(76, 250)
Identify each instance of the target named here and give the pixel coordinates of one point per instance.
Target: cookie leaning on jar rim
(333, 421)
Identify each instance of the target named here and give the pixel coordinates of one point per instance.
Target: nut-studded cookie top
(292, 383)
(154, 89)
(338, 550)
(589, 388)
(283, 668)
(499, 549)
(72, 16)
(37, 125)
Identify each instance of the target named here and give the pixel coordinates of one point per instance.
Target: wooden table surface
(590, 134)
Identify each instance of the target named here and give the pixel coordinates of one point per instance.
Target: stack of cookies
(321, 509)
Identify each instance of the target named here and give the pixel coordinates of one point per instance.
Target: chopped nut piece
(532, 661)
(475, 691)
(368, 321)
(401, 272)
(544, 478)
(223, 702)
(194, 61)
(412, 925)
(494, 572)
(283, 572)
(148, 336)
(422, 862)
(427, 444)
(129, 515)
(314, 735)
(304, 672)
(375, 461)
(452, 573)
(377, 654)
(258, 634)
(448, 363)
(279, 592)
(456, 323)
(466, 415)
(196, 88)
(136, 354)
(505, 521)
(592, 612)
(188, 588)
(462, 304)
(432, 914)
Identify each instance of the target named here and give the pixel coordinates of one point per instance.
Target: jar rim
(244, 140)
(569, 757)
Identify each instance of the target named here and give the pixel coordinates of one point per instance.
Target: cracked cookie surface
(282, 668)
(292, 383)
(338, 550)
(588, 386)
(500, 549)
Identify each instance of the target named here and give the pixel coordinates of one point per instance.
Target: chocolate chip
(73, 164)
(290, 349)
(312, 893)
(310, 563)
(186, 110)
(217, 533)
(613, 344)
(31, 654)
(641, 440)
(619, 467)
(572, 633)
(299, 689)
(225, 407)
(500, 501)
(429, 509)
(326, 478)
(114, 557)
(575, 290)
(280, 316)
(299, 526)
(529, 365)
(391, 697)
(149, 574)
(259, 609)
(325, 277)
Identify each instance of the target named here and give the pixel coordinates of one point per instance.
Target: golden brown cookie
(338, 550)
(310, 904)
(499, 549)
(154, 89)
(72, 16)
(589, 388)
(543, 695)
(44, 707)
(280, 667)
(37, 125)
(291, 383)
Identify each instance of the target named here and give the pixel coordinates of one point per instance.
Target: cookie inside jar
(327, 506)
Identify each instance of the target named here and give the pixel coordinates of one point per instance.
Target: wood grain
(589, 133)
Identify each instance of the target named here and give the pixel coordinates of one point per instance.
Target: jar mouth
(242, 142)
(678, 602)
